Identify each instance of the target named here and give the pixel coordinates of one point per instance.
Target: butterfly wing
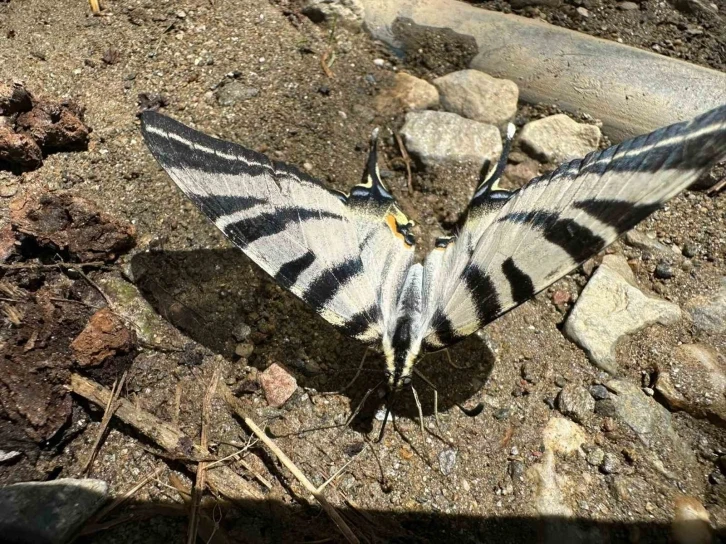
(514, 245)
(316, 242)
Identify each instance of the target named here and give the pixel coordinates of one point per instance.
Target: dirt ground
(400, 490)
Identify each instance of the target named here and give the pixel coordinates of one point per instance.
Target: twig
(406, 159)
(158, 43)
(169, 438)
(316, 492)
(324, 64)
(111, 406)
(71, 301)
(95, 8)
(95, 286)
(198, 488)
(118, 501)
(329, 51)
(716, 188)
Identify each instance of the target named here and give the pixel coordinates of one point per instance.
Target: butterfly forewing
(514, 247)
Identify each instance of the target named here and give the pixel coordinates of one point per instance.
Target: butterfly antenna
(489, 184)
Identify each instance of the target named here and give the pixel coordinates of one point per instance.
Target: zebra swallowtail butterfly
(351, 256)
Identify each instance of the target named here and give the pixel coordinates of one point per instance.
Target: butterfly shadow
(222, 300)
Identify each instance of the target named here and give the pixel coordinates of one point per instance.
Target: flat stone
(478, 96)
(349, 12)
(695, 382)
(408, 93)
(278, 385)
(447, 461)
(439, 138)
(612, 307)
(558, 138)
(49, 512)
(642, 241)
(575, 402)
(628, 6)
(709, 312)
(234, 91)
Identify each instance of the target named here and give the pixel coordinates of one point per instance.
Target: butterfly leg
(436, 395)
(453, 364)
(360, 368)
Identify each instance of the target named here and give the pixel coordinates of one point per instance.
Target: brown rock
(690, 522)
(696, 383)
(560, 299)
(7, 243)
(277, 384)
(19, 149)
(55, 126)
(408, 93)
(14, 98)
(72, 224)
(104, 337)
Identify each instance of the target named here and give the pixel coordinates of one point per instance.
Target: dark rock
(664, 270)
(14, 98)
(598, 392)
(48, 512)
(690, 249)
(104, 337)
(501, 414)
(64, 222)
(151, 102)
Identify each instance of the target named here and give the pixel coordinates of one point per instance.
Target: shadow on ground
(209, 294)
(274, 521)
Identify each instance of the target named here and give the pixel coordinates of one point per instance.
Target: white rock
(408, 93)
(478, 96)
(563, 436)
(558, 138)
(446, 138)
(709, 312)
(611, 307)
(346, 11)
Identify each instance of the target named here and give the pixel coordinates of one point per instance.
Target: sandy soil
(392, 491)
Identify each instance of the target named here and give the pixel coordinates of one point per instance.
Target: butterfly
(351, 256)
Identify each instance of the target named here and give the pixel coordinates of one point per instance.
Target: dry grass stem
(110, 408)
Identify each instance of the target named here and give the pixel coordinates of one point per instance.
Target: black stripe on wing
(578, 241)
(519, 282)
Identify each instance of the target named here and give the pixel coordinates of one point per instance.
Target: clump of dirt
(61, 222)
(31, 127)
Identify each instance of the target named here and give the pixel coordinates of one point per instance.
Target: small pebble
(560, 381)
(664, 270)
(598, 392)
(690, 249)
(610, 464)
(595, 457)
(447, 461)
(648, 391)
(379, 62)
(502, 414)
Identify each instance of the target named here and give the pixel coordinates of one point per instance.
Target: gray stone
(349, 12)
(235, 91)
(438, 138)
(408, 93)
(575, 402)
(598, 392)
(664, 270)
(558, 138)
(610, 464)
(612, 307)
(709, 312)
(646, 242)
(6, 456)
(595, 457)
(447, 461)
(628, 6)
(48, 512)
(478, 96)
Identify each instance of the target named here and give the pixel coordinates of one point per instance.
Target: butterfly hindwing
(514, 245)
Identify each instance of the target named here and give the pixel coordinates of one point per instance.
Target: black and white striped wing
(514, 245)
(306, 236)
